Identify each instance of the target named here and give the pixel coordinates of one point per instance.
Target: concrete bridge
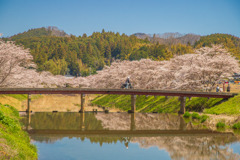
(133, 92)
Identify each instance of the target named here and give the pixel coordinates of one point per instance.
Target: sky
(76, 17)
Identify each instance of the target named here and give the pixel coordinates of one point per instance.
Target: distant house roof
(68, 76)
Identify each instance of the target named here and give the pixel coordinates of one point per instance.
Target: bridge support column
(82, 103)
(133, 127)
(182, 123)
(82, 118)
(182, 105)
(28, 120)
(133, 103)
(28, 103)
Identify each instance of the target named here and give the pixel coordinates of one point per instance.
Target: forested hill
(232, 43)
(49, 31)
(84, 55)
(170, 38)
(55, 51)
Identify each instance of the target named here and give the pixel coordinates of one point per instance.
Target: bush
(204, 118)
(195, 116)
(187, 115)
(160, 110)
(220, 124)
(236, 125)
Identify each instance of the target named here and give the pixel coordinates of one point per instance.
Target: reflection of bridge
(165, 131)
(131, 132)
(132, 92)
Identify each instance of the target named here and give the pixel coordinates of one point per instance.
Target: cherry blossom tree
(18, 70)
(201, 70)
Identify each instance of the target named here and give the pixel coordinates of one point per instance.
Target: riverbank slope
(159, 104)
(14, 142)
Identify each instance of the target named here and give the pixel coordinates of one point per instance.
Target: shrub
(195, 116)
(236, 125)
(160, 110)
(187, 115)
(220, 124)
(204, 118)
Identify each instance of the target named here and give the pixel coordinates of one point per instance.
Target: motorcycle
(124, 86)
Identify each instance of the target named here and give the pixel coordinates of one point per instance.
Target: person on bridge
(228, 88)
(127, 82)
(217, 89)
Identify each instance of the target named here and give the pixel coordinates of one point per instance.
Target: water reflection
(165, 131)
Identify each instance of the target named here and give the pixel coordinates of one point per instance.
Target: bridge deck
(114, 91)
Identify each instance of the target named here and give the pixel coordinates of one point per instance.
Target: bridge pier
(182, 105)
(82, 103)
(28, 103)
(133, 103)
(133, 126)
(28, 120)
(182, 123)
(82, 118)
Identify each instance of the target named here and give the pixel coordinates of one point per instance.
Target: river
(119, 136)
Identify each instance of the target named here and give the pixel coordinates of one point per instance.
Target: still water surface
(121, 136)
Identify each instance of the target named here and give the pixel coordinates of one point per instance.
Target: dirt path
(61, 103)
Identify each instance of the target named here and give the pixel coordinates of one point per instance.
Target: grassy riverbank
(14, 142)
(230, 107)
(158, 104)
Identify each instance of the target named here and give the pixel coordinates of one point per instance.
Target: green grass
(20, 97)
(187, 115)
(230, 107)
(151, 104)
(221, 125)
(195, 116)
(204, 118)
(236, 125)
(14, 142)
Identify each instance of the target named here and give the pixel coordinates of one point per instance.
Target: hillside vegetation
(232, 43)
(14, 142)
(50, 31)
(158, 104)
(230, 107)
(55, 51)
(170, 38)
(75, 55)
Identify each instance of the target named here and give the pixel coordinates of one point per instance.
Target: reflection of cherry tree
(191, 148)
(122, 121)
(178, 147)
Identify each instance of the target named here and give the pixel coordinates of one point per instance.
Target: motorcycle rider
(127, 82)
